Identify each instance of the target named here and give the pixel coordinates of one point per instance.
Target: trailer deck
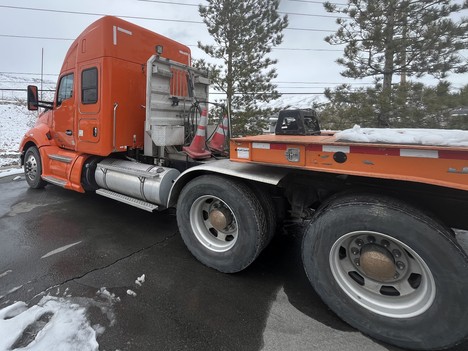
(437, 165)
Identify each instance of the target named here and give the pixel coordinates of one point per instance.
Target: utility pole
(42, 70)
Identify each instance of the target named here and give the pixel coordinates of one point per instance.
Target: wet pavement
(62, 243)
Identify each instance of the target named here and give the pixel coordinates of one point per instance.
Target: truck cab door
(64, 113)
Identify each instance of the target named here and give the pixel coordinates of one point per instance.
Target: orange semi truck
(379, 250)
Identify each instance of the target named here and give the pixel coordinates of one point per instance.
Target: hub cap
(30, 167)
(377, 262)
(382, 274)
(213, 223)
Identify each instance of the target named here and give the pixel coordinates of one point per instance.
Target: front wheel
(33, 168)
(389, 270)
(221, 222)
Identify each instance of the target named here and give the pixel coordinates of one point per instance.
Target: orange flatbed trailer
(436, 165)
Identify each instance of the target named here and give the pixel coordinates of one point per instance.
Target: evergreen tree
(415, 105)
(244, 32)
(400, 37)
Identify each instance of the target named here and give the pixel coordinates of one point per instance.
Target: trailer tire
(221, 222)
(33, 168)
(352, 246)
(266, 201)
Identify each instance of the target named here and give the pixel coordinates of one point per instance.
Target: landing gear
(389, 270)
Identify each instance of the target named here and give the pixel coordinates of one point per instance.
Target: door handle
(68, 132)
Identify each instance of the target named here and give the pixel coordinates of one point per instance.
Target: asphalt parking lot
(62, 243)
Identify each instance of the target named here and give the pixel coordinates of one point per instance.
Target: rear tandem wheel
(389, 270)
(222, 222)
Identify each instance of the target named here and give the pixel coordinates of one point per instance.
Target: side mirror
(32, 98)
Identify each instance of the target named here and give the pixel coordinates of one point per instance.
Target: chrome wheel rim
(30, 167)
(214, 223)
(409, 292)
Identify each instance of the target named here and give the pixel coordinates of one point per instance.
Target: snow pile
(10, 171)
(404, 136)
(140, 280)
(58, 324)
(105, 294)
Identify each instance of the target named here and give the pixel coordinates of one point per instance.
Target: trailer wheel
(389, 270)
(221, 222)
(33, 168)
(266, 201)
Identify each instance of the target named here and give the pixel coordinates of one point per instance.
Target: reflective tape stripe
(335, 148)
(419, 153)
(265, 146)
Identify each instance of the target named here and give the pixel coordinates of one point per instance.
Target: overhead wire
(280, 12)
(141, 17)
(190, 45)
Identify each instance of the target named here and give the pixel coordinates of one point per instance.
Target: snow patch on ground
(15, 121)
(10, 171)
(405, 136)
(59, 324)
(56, 323)
(131, 293)
(105, 294)
(140, 280)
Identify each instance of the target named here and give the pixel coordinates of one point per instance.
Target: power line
(280, 12)
(96, 14)
(306, 82)
(317, 2)
(308, 93)
(171, 3)
(139, 17)
(33, 37)
(307, 49)
(191, 45)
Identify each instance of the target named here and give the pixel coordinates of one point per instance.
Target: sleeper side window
(89, 86)
(65, 90)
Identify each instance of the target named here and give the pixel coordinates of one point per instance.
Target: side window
(89, 86)
(65, 90)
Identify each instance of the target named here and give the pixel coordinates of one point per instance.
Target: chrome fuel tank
(149, 183)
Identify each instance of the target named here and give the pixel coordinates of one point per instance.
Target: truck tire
(266, 201)
(389, 270)
(33, 168)
(221, 222)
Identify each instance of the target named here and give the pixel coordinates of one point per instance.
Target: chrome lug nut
(400, 265)
(371, 239)
(355, 251)
(396, 253)
(356, 262)
(396, 275)
(359, 242)
(385, 243)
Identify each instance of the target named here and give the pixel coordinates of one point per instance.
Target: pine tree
(244, 32)
(400, 37)
(414, 105)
